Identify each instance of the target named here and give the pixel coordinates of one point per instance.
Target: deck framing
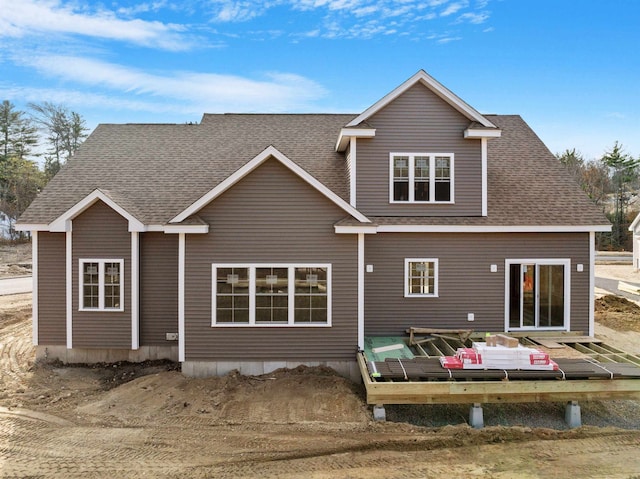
(381, 392)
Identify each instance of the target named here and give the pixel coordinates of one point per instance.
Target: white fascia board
(31, 227)
(632, 226)
(347, 133)
(190, 229)
(491, 229)
(270, 152)
(63, 222)
(436, 87)
(477, 133)
(366, 229)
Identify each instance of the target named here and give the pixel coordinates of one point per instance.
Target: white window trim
(101, 262)
(252, 295)
(407, 293)
(432, 178)
(566, 262)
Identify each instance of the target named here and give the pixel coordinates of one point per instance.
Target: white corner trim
(181, 298)
(34, 277)
(361, 303)
(69, 285)
(348, 134)
(433, 85)
(270, 152)
(592, 283)
(353, 171)
(135, 290)
(63, 222)
(485, 189)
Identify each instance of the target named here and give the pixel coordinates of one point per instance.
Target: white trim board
(374, 229)
(34, 278)
(63, 222)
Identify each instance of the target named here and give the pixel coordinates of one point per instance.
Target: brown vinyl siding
(271, 216)
(466, 284)
(52, 305)
(418, 122)
(158, 288)
(101, 233)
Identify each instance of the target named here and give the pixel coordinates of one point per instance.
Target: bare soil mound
(303, 394)
(617, 313)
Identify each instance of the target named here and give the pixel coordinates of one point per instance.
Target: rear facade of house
(255, 242)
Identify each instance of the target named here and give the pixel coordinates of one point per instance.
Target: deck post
(379, 413)
(572, 414)
(476, 416)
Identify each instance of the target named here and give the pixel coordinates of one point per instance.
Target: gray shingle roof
(155, 171)
(158, 170)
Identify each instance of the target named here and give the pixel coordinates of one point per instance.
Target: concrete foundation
(476, 416)
(572, 414)
(202, 369)
(379, 413)
(91, 356)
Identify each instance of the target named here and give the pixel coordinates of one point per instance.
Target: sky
(570, 68)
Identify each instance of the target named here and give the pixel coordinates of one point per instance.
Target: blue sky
(571, 69)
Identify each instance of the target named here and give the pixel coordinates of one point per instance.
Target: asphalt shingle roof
(155, 171)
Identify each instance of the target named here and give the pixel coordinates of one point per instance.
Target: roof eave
(347, 133)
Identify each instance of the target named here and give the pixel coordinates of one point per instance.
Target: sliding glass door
(538, 294)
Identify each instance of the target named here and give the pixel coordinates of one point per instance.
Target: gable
(434, 86)
(270, 198)
(268, 153)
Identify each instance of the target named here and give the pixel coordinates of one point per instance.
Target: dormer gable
(479, 127)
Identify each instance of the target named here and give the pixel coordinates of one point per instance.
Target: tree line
(46, 131)
(612, 182)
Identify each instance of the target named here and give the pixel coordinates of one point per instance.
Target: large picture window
(421, 178)
(421, 277)
(271, 295)
(101, 285)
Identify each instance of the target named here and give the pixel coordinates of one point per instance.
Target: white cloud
(30, 17)
(475, 18)
(453, 8)
(188, 91)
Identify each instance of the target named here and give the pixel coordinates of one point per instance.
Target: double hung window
(101, 285)
(271, 295)
(421, 178)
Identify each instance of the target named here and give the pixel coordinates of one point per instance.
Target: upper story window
(421, 178)
(101, 285)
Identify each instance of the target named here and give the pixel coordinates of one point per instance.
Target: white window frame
(432, 178)
(566, 263)
(291, 268)
(407, 290)
(101, 284)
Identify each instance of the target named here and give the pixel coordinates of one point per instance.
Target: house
(634, 227)
(257, 241)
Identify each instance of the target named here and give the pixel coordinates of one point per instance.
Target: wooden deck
(598, 372)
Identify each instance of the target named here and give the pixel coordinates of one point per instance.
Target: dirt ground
(131, 421)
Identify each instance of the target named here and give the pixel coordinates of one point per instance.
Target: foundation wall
(90, 356)
(201, 369)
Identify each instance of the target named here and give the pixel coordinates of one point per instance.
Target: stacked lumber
(500, 353)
